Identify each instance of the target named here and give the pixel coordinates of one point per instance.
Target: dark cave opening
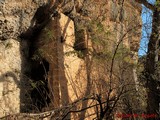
(39, 99)
(39, 85)
(38, 91)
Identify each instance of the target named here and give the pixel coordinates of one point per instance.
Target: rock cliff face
(15, 17)
(62, 62)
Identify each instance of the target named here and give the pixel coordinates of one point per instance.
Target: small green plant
(48, 34)
(35, 57)
(69, 53)
(8, 45)
(80, 54)
(35, 84)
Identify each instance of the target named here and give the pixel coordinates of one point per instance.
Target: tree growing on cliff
(106, 65)
(151, 69)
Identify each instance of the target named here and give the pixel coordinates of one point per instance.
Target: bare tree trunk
(151, 64)
(88, 63)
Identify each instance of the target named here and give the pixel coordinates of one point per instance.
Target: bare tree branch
(146, 4)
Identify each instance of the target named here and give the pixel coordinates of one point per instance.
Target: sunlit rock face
(15, 18)
(10, 69)
(76, 77)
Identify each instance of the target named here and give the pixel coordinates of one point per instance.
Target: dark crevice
(80, 44)
(36, 97)
(39, 84)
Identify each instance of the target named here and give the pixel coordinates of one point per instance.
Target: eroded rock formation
(59, 63)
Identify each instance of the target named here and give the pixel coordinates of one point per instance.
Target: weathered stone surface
(10, 68)
(72, 63)
(16, 17)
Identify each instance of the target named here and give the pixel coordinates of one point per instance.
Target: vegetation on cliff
(83, 63)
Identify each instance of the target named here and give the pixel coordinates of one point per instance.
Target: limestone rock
(15, 16)
(71, 70)
(10, 69)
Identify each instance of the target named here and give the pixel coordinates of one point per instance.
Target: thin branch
(75, 111)
(146, 4)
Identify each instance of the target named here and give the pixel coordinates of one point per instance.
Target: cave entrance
(39, 85)
(39, 67)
